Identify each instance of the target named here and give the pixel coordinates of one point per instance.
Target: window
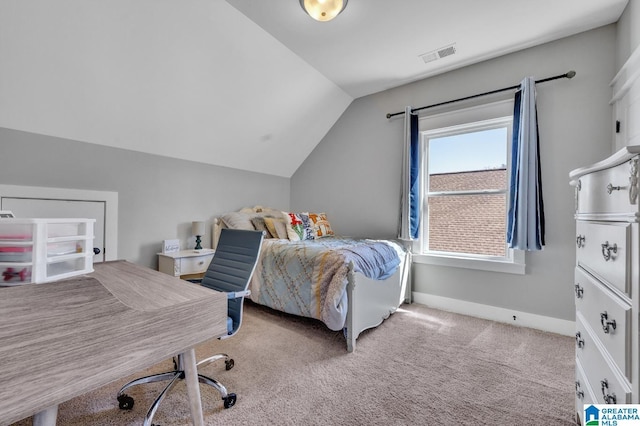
(465, 193)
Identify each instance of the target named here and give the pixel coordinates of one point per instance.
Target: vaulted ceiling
(248, 84)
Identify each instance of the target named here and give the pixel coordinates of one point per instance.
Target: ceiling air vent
(438, 53)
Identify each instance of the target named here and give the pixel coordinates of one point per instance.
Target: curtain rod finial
(571, 74)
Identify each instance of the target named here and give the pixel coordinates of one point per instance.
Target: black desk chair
(230, 271)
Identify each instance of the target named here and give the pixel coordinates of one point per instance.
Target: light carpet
(420, 367)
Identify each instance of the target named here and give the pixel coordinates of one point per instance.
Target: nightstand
(185, 263)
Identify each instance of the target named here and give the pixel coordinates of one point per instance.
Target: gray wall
(353, 174)
(628, 35)
(158, 197)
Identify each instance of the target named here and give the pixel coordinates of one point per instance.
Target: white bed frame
(370, 301)
(373, 301)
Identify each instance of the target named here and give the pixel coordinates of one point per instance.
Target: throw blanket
(309, 278)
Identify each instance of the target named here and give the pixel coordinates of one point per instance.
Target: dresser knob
(580, 241)
(611, 188)
(579, 341)
(607, 249)
(579, 291)
(609, 398)
(579, 393)
(604, 320)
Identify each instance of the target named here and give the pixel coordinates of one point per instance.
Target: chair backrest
(232, 266)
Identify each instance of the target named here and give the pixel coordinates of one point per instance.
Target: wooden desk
(63, 339)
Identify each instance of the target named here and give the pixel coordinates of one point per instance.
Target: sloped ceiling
(248, 84)
(190, 79)
(375, 45)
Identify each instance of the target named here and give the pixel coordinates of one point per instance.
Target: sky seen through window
(481, 150)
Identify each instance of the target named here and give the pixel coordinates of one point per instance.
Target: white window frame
(485, 117)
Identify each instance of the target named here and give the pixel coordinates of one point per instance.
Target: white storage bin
(15, 274)
(44, 250)
(15, 252)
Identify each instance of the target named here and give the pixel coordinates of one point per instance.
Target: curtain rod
(569, 74)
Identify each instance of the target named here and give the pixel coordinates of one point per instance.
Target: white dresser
(607, 280)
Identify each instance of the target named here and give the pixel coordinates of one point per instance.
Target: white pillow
(237, 220)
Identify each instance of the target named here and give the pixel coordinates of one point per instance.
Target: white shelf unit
(44, 250)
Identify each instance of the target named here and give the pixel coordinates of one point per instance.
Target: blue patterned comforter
(309, 278)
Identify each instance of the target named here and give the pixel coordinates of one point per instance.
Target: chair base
(125, 402)
(228, 362)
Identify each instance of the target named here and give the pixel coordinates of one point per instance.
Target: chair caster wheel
(230, 400)
(125, 402)
(229, 364)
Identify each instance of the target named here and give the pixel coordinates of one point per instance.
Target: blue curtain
(410, 192)
(525, 221)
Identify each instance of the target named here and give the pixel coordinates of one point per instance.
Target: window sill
(468, 263)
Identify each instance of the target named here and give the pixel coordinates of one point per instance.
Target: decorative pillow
(321, 225)
(260, 225)
(238, 220)
(299, 226)
(277, 227)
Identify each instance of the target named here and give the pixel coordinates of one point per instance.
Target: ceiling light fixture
(323, 10)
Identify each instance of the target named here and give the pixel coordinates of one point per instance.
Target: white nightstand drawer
(185, 262)
(602, 376)
(194, 265)
(607, 315)
(603, 249)
(607, 191)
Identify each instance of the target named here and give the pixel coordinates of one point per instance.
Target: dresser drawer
(584, 391)
(603, 249)
(607, 191)
(195, 265)
(604, 379)
(616, 346)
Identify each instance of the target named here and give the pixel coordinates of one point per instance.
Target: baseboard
(507, 316)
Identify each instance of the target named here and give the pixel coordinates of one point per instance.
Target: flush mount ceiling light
(323, 10)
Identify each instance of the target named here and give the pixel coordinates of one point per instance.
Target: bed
(350, 284)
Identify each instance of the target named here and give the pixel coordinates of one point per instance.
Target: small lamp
(197, 229)
(323, 10)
